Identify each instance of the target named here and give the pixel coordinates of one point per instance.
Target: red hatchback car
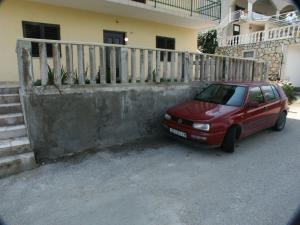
(225, 112)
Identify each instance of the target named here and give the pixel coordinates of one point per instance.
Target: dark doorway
(118, 38)
(236, 29)
(239, 14)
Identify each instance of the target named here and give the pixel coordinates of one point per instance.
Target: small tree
(207, 42)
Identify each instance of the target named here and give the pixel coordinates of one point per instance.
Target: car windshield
(223, 94)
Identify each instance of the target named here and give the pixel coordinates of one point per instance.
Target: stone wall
(71, 120)
(269, 51)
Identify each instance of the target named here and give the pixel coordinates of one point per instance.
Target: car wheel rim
(281, 122)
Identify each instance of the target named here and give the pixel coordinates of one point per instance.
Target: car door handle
(266, 108)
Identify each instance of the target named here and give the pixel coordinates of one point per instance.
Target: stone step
(15, 131)
(9, 98)
(9, 90)
(17, 163)
(14, 146)
(10, 108)
(11, 119)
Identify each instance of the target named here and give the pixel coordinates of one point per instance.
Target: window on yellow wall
(165, 43)
(41, 31)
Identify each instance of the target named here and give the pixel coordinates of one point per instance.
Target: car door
(255, 112)
(273, 106)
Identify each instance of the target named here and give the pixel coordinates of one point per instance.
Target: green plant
(207, 42)
(289, 91)
(154, 74)
(51, 76)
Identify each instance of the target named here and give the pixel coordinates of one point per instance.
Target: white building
(263, 29)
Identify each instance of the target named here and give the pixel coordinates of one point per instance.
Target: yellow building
(141, 23)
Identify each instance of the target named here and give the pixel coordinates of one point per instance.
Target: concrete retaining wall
(73, 120)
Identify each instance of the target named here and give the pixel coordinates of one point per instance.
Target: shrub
(208, 42)
(289, 90)
(64, 77)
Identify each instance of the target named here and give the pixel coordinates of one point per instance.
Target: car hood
(201, 111)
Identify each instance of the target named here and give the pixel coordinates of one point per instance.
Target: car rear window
(269, 93)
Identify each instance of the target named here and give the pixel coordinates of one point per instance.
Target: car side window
(269, 93)
(256, 95)
(275, 92)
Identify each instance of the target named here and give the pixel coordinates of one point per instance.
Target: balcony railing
(94, 64)
(260, 36)
(208, 8)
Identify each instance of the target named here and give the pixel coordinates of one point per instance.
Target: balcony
(286, 32)
(207, 8)
(195, 14)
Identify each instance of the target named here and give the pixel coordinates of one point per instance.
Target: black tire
(228, 144)
(281, 121)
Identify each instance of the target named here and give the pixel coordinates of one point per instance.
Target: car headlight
(167, 116)
(201, 126)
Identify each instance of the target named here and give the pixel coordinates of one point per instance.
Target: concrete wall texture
(78, 119)
(79, 25)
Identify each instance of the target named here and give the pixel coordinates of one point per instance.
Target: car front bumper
(207, 138)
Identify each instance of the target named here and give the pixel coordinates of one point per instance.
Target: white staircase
(15, 153)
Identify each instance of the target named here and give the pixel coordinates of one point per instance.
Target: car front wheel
(280, 123)
(228, 144)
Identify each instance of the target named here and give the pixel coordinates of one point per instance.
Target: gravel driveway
(162, 182)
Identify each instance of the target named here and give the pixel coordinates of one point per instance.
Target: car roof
(244, 83)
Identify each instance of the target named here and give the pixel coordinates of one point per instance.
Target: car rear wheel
(228, 144)
(280, 123)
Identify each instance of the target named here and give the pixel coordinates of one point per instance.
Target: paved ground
(164, 183)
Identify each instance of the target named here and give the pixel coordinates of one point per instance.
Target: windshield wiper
(206, 100)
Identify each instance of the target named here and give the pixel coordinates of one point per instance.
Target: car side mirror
(252, 104)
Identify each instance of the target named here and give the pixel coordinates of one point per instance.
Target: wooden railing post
(25, 66)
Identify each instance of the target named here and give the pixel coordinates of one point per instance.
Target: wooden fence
(77, 63)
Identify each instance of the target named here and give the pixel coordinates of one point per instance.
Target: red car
(225, 112)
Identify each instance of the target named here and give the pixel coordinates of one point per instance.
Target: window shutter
(51, 32)
(41, 31)
(32, 30)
